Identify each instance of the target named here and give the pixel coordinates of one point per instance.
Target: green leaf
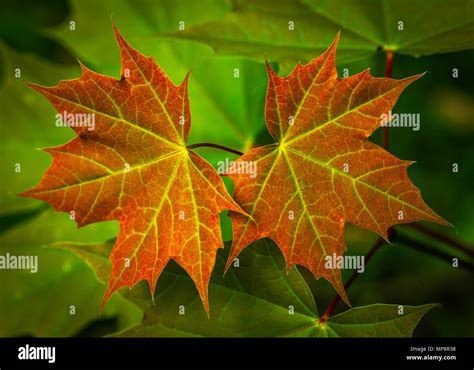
(28, 123)
(10, 220)
(240, 292)
(39, 304)
(378, 320)
(427, 27)
(49, 226)
(263, 29)
(257, 298)
(22, 30)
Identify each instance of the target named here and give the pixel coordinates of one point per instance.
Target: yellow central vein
(121, 172)
(135, 126)
(196, 221)
(303, 202)
(157, 211)
(302, 328)
(156, 95)
(91, 208)
(280, 136)
(356, 108)
(342, 173)
(114, 103)
(211, 185)
(277, 155)
(108, 169)
(306, 94)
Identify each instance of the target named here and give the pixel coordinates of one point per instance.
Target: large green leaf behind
(257, 298)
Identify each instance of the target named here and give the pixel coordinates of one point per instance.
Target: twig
(425, 248)
(337, 298)
(444, 238)
(388, 74)
(404, 240)
(216, 146)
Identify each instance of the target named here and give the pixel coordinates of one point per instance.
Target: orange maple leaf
(134, 167)
(323, 171)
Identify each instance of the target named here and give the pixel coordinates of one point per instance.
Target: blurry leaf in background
(10, 220)
(27, 123)
(22, 25)
(413, 27)
(455, 106)
(38, 304)
(93, 41)
(257, 297)
(263, 30)
(287, 31)
(50, 226)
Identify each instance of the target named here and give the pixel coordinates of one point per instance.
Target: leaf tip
(333, 47)
(84, 70)
(36, 87)
(409, 80)
(184, 84)
(440, 220)
(228, 263)
(104, 301)
(205, 302)
(118, 36)
(344, 297)
(270, 70)
(111, 289)
(152, 285)
(24, 194)
(113, 22)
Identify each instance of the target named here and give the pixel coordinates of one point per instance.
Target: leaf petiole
(216, 146)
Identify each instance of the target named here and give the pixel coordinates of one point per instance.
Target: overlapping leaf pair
(135, 167)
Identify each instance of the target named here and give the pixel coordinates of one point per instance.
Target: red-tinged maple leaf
(134, 167)
(323, 171)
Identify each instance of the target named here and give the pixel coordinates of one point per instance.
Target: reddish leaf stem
(418, 245)
(388, 74)
(469, 250)
(337, 298)
(216, 146)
